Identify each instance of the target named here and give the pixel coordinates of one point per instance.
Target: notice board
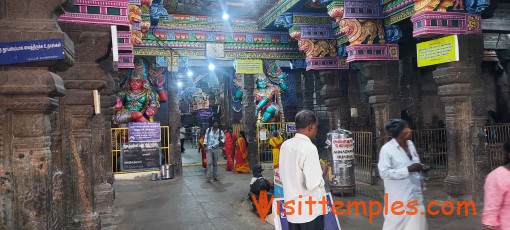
(140, 156)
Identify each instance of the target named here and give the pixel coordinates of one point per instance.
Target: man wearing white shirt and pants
(302, 174)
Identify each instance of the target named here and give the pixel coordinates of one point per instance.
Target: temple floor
(189, 202)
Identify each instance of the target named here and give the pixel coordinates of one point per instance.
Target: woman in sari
(201, 149)
(229, 149)
(276, 142)
(241, 155)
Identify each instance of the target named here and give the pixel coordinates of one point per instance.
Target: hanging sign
(249, 66)
(144, 131)
(437, 51)
(343, 148)
(205, 113)
(31, 51)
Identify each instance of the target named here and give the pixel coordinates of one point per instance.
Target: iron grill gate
(431, 147)
(363, 157)
(265, 150)
(496, 135)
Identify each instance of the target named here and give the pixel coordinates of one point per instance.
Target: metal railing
(431, 147)
(496, 135)
(265, 150)
(120, 136)
(364, 157)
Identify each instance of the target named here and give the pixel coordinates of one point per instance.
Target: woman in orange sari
(242, 155)
(229, 149)
(201, 149)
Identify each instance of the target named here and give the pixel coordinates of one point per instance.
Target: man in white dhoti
(400, 168)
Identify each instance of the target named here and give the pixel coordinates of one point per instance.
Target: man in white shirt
(213, 141)
(302, 174)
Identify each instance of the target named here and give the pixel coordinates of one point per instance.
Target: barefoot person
(400, 168)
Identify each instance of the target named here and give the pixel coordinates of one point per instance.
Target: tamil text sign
(144, 131)
(31, 51)
(249, 66)
(437, 51)
(140, 156)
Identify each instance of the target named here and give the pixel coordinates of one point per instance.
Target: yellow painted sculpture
(317, 48)
(436, 5)
(359, 30)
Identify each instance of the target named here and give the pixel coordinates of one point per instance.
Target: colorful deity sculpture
(267, 93)
(137, 101)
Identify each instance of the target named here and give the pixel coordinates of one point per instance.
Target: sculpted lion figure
(317, 48)
(360, 29)
(135, 14)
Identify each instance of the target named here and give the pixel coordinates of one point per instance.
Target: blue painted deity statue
(267, 93)
(136, 102)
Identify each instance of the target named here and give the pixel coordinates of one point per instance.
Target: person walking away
(302, 174)
(182, 134)
(241, 164)
(496, 209)
(276, 142)
(229, 149)
(214, 139)
(400, 168)
(201, 149)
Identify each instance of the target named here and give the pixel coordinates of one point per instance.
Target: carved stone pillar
(104, 193)
(335, 93)
(463, 94)
(307, 84)
(175, 124)
(249, 118)
(30, 173)
(83, 132)
(382, 88)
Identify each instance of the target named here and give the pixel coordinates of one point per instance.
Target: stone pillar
(83, 132)
(250, 119)
(299, 90)
(463, 93)
(175, 124)
(307, 85)
(335, 93)
(382, 88)
(30, 177)
(104, 193)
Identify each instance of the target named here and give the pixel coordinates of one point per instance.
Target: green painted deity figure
(267, 92)
(136, 102)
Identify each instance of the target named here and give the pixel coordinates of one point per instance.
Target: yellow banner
(437, 51)
(249, 66)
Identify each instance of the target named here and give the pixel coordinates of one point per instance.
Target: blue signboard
(31, 51)
(290, 128)
(144, 132)
(281, 223)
